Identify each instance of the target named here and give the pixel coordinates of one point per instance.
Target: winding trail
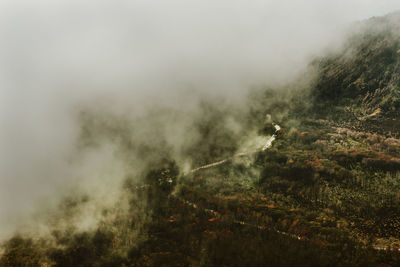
(216, 214)
(267, 145)
(259, 227)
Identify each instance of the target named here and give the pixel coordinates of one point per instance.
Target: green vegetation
(326, 194)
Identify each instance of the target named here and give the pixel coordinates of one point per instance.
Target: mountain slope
(363, 79)
(325, 194)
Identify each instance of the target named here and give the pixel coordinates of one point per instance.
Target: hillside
(361, 84)
(326, 193)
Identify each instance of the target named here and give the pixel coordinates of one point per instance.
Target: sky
(58, 55)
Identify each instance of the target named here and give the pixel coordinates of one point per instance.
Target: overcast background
(56, 55)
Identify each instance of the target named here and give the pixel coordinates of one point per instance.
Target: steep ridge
(361, 83)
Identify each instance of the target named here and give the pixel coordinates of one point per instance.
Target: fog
(58, 58)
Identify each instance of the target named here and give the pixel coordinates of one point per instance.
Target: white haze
(58, 55)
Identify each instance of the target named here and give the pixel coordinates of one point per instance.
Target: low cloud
(127, 59)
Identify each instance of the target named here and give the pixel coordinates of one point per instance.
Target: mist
(142, 64)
